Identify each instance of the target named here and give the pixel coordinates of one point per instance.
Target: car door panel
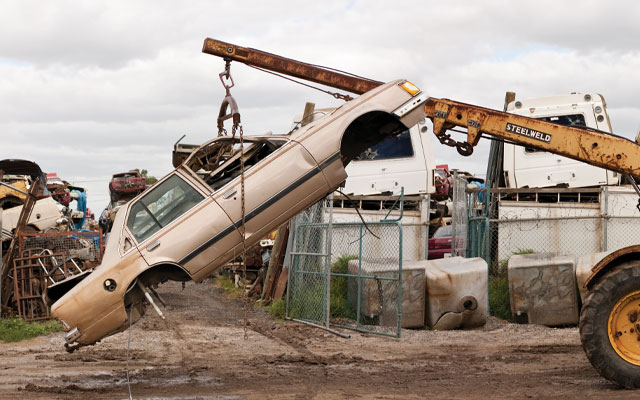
(275, 190)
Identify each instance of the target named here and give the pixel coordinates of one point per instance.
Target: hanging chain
(229, 101)
(243, 229)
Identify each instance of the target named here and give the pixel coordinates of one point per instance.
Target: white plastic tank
(456, 295)
(584, 268)
(542, 288)
(375, 290)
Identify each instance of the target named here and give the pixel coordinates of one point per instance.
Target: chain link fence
(346, 274)
(503, 222)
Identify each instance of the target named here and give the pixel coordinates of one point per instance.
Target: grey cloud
(90, 89)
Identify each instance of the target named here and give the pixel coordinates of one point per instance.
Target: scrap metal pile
(46, 264)
(45, 246)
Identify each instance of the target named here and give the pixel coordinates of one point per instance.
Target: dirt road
(287, 360)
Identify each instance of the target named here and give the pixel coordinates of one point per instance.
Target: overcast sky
(88, 89)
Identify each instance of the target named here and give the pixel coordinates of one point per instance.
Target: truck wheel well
(595, 278)
(368, 130)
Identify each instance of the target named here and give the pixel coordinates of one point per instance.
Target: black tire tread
(594, 316)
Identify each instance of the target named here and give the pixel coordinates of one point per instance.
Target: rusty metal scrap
(597, 148)
(27, 208)
(44, 261)
(30, 276)
(287, 66)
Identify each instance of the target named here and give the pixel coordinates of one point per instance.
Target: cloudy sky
(88, 89)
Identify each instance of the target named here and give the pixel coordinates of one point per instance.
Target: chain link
(464, 148)
(237, 128)
(242, 230)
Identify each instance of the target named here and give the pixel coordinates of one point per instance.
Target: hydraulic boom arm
(288, 66)
(609, 328)
(583, 144)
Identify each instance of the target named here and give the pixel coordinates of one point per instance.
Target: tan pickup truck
(185, 226)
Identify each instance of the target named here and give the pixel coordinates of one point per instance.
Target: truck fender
(610, 262)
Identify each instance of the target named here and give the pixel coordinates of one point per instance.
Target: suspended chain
(245, 297)
(236, 128)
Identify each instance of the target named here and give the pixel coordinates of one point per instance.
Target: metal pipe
(150, 300)
(157, 296)
(13, 188)
(328, 264)
(344, 335)
(604, 219)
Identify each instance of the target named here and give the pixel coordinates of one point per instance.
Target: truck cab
(535, 168)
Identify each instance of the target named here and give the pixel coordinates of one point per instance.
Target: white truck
(534, 168)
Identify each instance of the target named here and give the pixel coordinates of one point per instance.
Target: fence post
(453, 213)
(1, 267)
(328, 263)
(399, 283)
(425, 210)
(359, 291)
(605, 218)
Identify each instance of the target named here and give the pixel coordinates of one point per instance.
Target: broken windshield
(219, 161)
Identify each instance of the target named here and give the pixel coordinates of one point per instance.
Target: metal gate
(346, 274)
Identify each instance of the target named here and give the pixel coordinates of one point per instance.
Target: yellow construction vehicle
(16, 177)
(609, 323)
(610, 316)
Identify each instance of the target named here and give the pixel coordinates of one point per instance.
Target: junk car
(187, 225)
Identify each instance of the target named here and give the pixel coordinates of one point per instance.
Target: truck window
(158, 208)
(398, 146)
(574, 120)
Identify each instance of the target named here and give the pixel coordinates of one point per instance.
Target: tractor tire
(610, 324)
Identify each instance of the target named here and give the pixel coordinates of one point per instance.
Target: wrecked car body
(16, 176)
(187, 224)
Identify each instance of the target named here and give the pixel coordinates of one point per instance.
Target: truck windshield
(398, 146)
(163, 204)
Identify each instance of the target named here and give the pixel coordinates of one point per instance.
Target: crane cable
(335, 95)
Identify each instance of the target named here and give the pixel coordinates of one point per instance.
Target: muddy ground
(288, 360)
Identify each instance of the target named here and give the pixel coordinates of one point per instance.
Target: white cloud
(89, 89)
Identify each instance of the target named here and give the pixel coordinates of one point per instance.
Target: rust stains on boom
(288, 66)
(594, 147)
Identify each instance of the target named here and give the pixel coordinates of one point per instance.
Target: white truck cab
(405, 160)
(528, 167)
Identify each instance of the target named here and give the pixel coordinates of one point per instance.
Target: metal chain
(237, 127)
(242, 231)
(244, 236)
(464, 148)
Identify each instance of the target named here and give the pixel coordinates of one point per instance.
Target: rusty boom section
(583, 144)
(288, 66)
